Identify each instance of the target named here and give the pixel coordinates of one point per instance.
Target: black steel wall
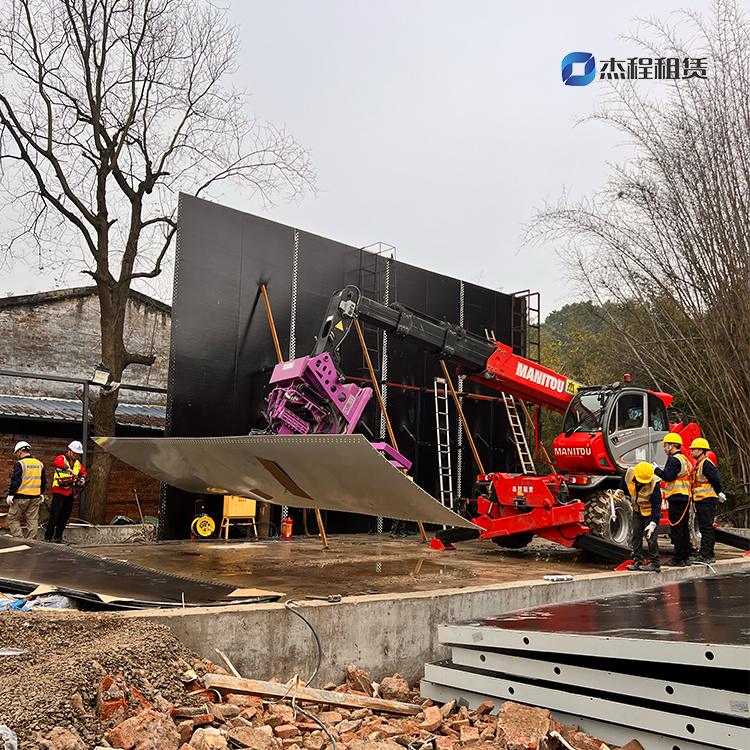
(222, 351)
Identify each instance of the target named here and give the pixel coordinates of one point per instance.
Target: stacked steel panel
(669, 666)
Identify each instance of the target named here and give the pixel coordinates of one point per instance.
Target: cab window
(630, 411)
(657, 414)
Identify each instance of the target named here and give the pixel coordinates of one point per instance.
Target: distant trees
(108, 108)
(663, 250)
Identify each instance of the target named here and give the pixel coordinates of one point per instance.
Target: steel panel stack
(669, 666)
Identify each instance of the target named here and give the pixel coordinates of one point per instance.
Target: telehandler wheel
(514, 541)
(598, 517)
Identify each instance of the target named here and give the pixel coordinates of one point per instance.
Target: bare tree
(107, 109)
(667, 238)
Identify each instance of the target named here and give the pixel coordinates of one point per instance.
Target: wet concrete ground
(360, 564)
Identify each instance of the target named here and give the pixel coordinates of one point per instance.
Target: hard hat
(21, 445)
(644, 472)
(76, 447)
(672, 437)
(700, 443)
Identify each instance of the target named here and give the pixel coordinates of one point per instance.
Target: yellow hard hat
(673, 437)
(700, 443)
(644, 472)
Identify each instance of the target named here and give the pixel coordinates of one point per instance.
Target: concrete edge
(381, 633)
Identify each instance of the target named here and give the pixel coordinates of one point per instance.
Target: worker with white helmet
(27, 483)
(642, 485)
(69, 480)
(676, 482)
(706, 489)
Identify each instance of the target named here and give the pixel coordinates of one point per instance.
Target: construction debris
(99, 681)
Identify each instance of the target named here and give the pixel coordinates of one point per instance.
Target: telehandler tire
(598, 517)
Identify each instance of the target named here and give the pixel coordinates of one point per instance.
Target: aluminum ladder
(445, 472)
(519, 436)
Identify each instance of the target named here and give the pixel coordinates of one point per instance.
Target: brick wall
(57, 333)
(124, 479)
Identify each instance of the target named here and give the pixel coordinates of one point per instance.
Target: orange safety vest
(702, 488)
(681, 484)
(31, 483)
(65, 476)
(641, 499)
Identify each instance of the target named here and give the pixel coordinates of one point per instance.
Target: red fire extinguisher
(286, 528)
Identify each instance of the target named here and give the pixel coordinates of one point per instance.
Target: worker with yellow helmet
(642, 486)
(706, 491)
(675, 477)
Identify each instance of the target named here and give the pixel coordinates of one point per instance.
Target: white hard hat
(21, 445)
(76, 447)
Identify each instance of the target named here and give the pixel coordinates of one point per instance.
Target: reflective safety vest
(681, 485)
(641, 499)
(65, 475)
(31, 483)
(702, 488)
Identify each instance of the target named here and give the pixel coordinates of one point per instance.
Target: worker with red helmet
(27, 483)
(69, 480)
(676, 481)
(642, 485)
(706, 492)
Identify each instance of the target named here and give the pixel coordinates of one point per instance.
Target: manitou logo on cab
(585, 451)
(542, 378)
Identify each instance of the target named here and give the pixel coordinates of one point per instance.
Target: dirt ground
(361, 564)
(66, 654)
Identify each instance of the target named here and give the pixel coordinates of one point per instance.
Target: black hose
(315, 718)
(317, 640)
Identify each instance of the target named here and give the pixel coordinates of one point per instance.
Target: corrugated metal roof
(69, 410)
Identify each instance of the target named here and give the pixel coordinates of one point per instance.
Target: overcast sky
(437, 127)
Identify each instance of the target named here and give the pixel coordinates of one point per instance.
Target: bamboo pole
(382, 406)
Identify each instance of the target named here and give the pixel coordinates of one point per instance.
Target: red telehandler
(606, 428)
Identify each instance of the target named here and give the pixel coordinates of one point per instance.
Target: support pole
(318, 517)
(463, 418)
(270, 322)
(85, 444)
(382, 406)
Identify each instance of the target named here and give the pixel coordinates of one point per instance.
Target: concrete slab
(383, 633)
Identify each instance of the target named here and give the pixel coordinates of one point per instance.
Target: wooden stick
(271, 323)
(323, 536)
(226, 684)
(463, 418)
(376, 387)
(229, 664)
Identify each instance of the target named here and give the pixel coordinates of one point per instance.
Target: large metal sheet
(612, 733)
(572, 677)
(669, 722)
(70, 570)
(334, 472)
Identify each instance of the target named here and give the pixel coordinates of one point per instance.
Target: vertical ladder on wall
(445, 472)
(519, 436)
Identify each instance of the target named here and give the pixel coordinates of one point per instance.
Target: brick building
(57, 333)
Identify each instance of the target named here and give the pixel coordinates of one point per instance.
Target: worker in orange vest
(69, 480)
(676, 480)
(706, 491)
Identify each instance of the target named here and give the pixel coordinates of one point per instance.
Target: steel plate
(332, 472)
(71, 570)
